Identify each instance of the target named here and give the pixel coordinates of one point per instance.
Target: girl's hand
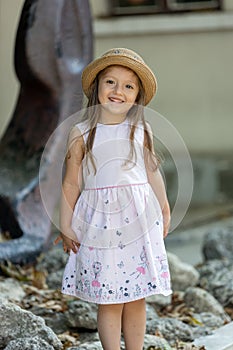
(166, 219)
(166, 226)
(68, 243)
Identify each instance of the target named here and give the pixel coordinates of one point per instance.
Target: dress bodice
(111, 151)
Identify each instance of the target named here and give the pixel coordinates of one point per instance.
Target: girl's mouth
(115, 100)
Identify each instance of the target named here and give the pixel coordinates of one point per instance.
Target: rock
(53, 262)
(171, 329)
(151, 314)
(57, 321)
(209, 320)
(17, 323)
(202, 301)
(212, 266)
(216, 276)
(159, 300)
(54, 279)
(54, 259)
(218, 243)
(21, 250)
(88, 346)
(183, 275)
(28, 344)
(10, 289)
(149, 341)
(82, 315)
(201, 331)
(155, 342)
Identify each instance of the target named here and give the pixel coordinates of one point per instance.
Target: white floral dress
(118, 221)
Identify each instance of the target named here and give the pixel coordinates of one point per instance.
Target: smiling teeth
(115, 100)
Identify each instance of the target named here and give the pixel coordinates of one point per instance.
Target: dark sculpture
(53, 44)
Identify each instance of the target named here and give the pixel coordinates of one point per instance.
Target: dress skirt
(122, 255)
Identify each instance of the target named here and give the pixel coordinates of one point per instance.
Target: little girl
(114, 209)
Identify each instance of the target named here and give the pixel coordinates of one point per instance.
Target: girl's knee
(110, 308)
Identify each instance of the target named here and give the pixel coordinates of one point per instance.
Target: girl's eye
(109, 81)
(128, 86)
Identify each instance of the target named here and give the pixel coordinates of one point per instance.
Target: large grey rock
(171, 329)
(216, 276)
(208, 268)
(28, 344)
(82, 315)
(10, 289)
(183, 275)
(202, 301)
(218, 243)
(18, 323)
(55, 320)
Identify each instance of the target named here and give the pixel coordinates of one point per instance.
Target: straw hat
(126, 58)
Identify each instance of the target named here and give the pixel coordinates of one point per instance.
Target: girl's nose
(117, 89)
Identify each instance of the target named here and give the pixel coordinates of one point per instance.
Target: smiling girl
(114, 209)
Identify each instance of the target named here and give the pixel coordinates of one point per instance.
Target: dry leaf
(188, 346)
(39, 279)
(69, 339)
(13, 271)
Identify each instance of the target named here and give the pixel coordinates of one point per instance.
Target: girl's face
(117, 90)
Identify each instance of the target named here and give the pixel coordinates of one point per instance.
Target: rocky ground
(35, 315)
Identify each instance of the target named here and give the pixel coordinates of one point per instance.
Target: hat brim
(144, 73)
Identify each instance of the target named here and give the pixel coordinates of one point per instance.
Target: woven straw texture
(126, 58)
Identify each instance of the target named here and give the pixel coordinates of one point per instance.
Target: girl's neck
(111, 119)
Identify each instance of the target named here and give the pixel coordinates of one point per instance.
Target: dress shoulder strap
(84, 128)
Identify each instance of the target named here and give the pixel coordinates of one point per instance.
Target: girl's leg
(109, 325)
(134, 324)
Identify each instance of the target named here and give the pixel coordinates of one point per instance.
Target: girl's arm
(155, 179)
(71, 189)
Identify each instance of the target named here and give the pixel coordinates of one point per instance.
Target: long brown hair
(135, 115)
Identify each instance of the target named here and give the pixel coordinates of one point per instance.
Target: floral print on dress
(141, 268)
(97, 267)
(102, 281)
(164, 271)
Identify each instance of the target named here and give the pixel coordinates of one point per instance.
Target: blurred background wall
(10, 11)
(191, 54)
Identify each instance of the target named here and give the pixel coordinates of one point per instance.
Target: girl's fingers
(75, 247)
(77, 244)
(57, 240)
(68, 244)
